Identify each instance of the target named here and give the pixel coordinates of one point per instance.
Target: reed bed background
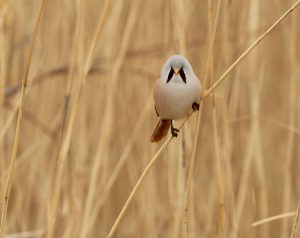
(88, 116)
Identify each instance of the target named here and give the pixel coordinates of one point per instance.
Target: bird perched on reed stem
(176, 92)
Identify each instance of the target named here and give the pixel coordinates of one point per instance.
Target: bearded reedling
(176, 92)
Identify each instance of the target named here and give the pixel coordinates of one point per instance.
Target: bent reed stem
(206, 94)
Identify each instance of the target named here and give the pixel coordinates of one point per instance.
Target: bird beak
(176, 70)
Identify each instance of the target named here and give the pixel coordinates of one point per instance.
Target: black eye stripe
(182, 74)
(170, 75)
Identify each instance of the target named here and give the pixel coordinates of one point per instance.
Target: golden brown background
(86, 142)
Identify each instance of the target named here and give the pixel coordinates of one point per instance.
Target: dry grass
(88, 117)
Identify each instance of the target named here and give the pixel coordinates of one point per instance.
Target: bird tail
(161, 130)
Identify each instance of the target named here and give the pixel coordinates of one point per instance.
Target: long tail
(161, 130)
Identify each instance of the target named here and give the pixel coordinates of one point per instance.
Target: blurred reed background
(89, 114)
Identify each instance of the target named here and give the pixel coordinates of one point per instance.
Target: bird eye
(182, 74)
(170, 74)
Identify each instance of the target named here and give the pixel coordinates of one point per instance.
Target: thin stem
(273, 218)
(250, 48)
(296, 221)
(9, 179)
(194, 148)
(131, 196)
(70, 125)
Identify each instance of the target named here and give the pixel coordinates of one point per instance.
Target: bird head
(177, 69)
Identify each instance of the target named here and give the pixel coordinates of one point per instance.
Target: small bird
(176, 92)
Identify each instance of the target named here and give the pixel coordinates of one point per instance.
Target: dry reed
(88, 117)
(9, 179)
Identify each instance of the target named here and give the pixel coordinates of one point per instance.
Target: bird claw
(174, 132)
(196, 106)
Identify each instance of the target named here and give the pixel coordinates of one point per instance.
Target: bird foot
(174, 131)
(196, 106)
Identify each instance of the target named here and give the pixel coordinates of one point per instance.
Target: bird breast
(174, 100)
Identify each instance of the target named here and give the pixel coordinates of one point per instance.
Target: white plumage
(176, 91)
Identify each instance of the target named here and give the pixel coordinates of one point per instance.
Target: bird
(175, 94)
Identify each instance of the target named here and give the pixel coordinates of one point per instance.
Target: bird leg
(196, 106)
(174, 130)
